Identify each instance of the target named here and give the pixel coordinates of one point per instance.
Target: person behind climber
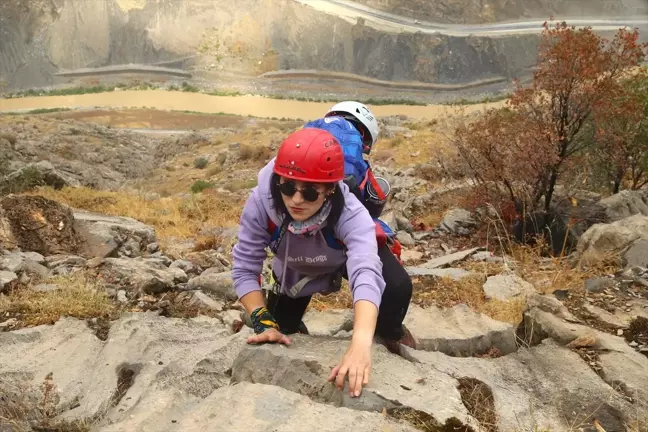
(324, 233)
(361, 117)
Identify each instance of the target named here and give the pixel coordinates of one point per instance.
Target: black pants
(289, 311)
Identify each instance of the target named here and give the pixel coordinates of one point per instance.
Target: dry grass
(426, 142)
(478, 398)
(24, 408)
(447, 292)
(172, 217)
(255, 152)
(342, 299)
(80, 296)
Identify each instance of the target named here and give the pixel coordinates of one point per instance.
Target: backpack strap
(277, 234)
(331, 240)
(374, 183)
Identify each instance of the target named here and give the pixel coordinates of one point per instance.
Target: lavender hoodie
(299, 256)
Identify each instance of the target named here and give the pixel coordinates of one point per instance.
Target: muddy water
(239, 105)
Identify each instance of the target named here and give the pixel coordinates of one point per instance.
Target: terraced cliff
(247, 38)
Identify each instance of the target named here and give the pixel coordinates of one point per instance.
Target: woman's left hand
(356, 362)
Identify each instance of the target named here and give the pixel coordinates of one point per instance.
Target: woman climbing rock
(319, 232)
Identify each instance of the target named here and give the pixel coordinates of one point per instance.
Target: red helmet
(310, 155)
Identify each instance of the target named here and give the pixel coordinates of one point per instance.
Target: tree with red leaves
(520, 152)
(622, 135)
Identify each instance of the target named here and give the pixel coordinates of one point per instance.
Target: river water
(256, 106)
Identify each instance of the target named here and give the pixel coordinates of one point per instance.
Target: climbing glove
(262, 320)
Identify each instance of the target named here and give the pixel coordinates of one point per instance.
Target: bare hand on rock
(270, 336)
(357, 364)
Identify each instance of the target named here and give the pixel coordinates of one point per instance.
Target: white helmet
(361, 117)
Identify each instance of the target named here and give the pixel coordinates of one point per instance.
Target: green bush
(201, 185)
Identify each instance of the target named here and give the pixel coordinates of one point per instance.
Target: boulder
(207, 259)
(220, 284)
(405, 238)
(458, 221)
(6, 277)
(458, 331)
(636, 255)
(61, 264)
(624, 204)
(137, 275)
(104, 235)
(44, 171)
(506, 287)
(606, 242)
(24, 263)
(39, 225)
(188, 267)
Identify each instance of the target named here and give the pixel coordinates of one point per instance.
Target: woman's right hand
(270, 336)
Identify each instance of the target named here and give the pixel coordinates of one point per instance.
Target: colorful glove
(262, 320)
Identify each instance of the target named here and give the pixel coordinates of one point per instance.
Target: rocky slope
(104, 328)
(246, 38)
(147, 371)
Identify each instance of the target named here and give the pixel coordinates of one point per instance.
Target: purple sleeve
(358, 232)
(249, 252)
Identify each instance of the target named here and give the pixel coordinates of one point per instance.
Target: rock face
(243, 407)
(621, 366)
(608, 241)
(115, 32)
(143, 352)
(71, 153)
(148, 372)
(46, 173)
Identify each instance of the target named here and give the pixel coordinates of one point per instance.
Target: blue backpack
(357, 173)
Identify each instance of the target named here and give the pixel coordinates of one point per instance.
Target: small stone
(561, 294)
(405, 238)
(634, 344)
(619, 332)
(6, 277)
(121, 296)
(200, 299)
(9, 323)
(46, 288)
(94, 262)
(597, 285)
(152, 248)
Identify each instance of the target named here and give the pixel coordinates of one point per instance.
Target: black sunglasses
(309, 193)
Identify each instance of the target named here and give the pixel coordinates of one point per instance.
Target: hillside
(470, 11)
